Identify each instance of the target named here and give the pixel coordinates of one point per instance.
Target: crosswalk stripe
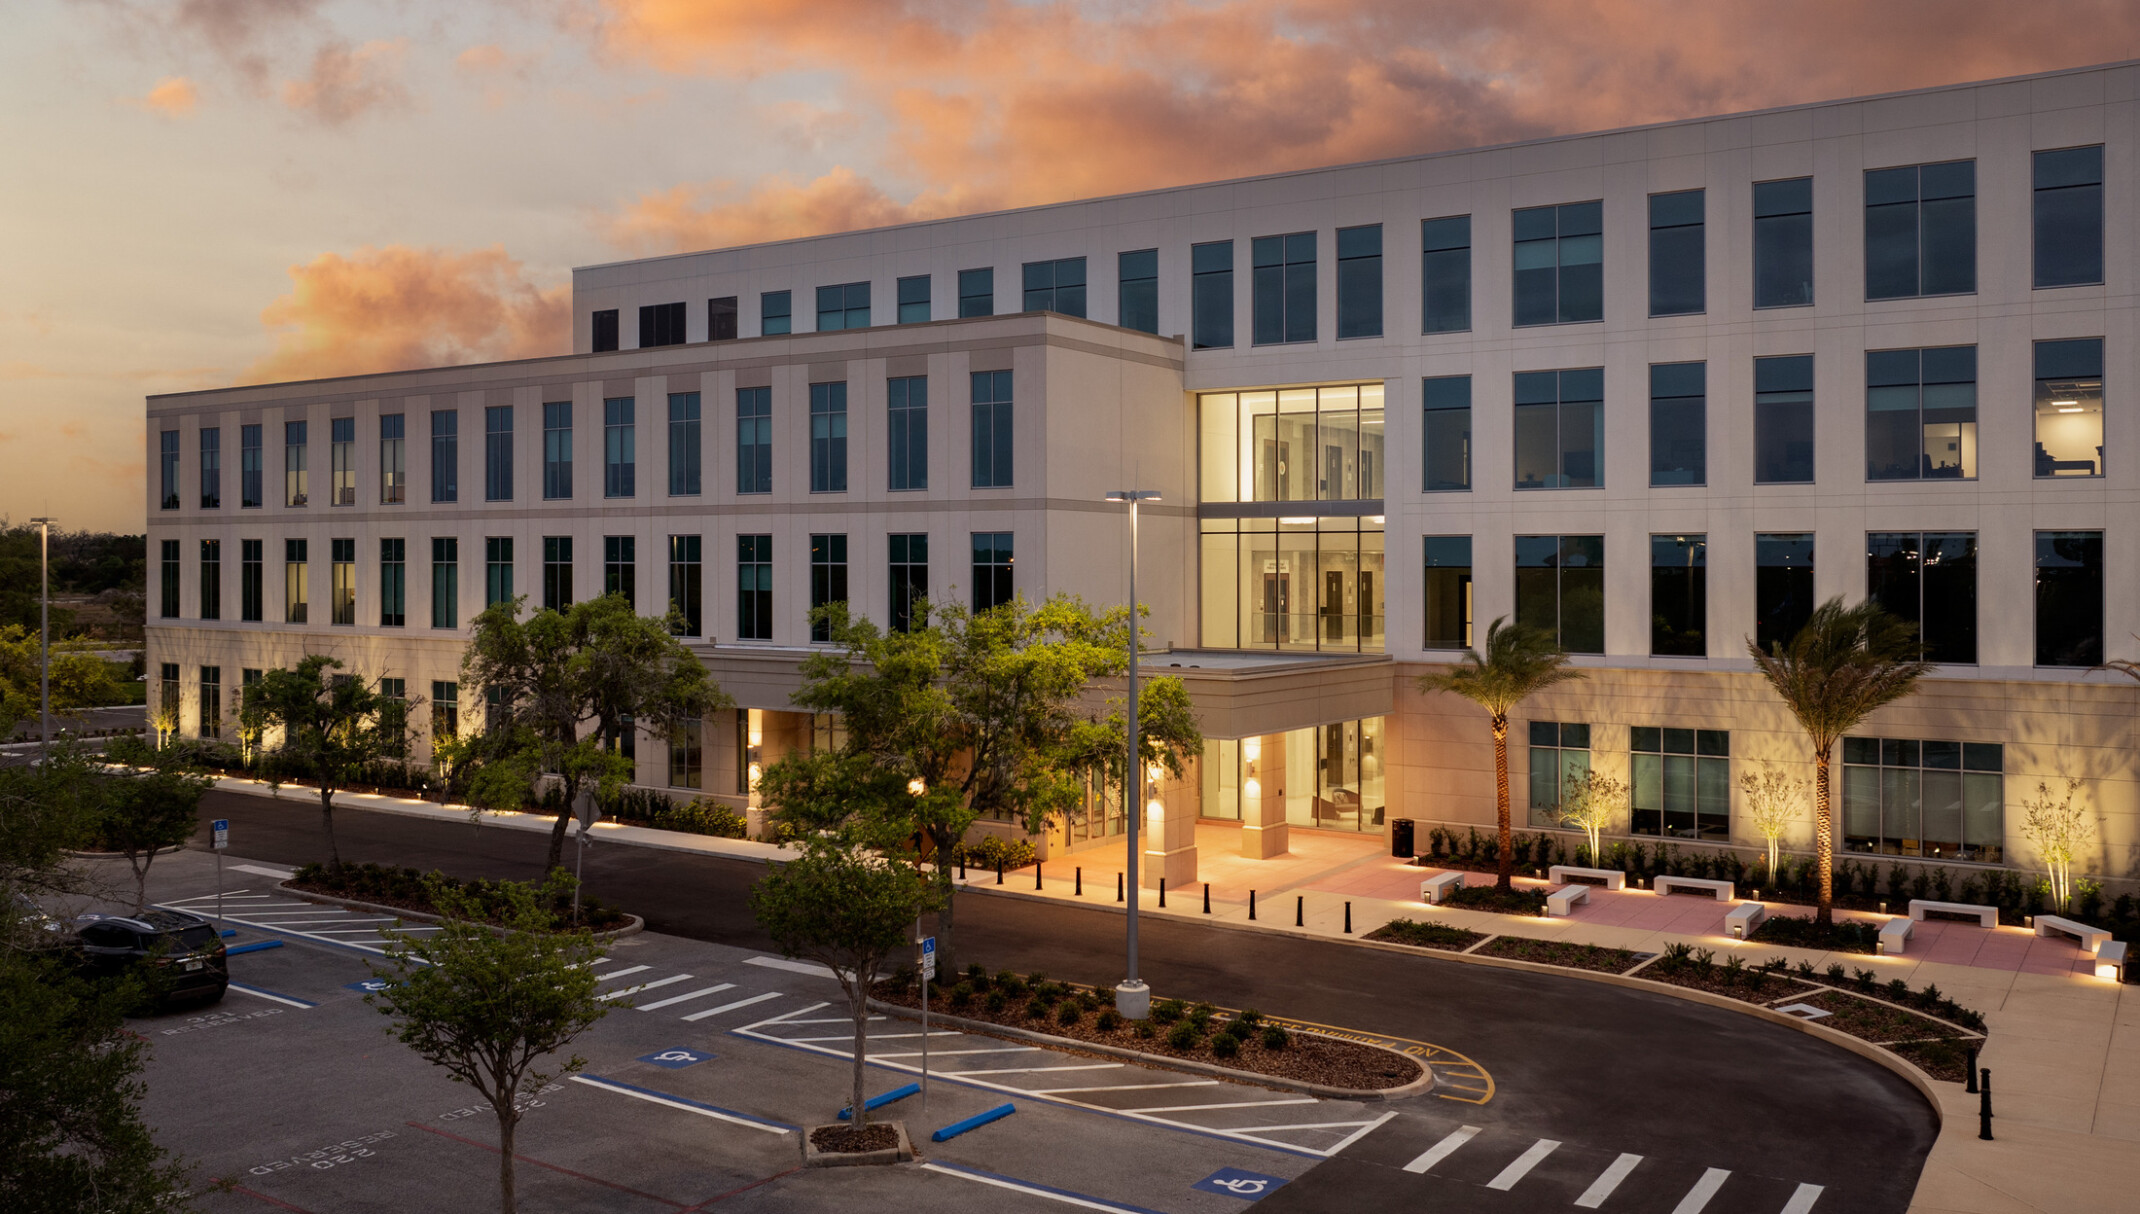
(644, 986)
(729, 1007)
(629, 969)
(1697, 1198)
(687, 996)
(1802, 1201)
(1123, 1087)
(1523, 1165)
(1443, 1149)
(1607, 1181)
(878, 1036)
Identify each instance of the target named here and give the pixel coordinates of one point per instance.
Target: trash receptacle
(1401, 838)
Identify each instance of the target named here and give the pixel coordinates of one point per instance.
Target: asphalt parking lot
(293, 1095)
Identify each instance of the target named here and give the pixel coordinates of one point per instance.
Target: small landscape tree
(570, 682)
(2058, 829)
(147, 812)
(1592, 801)
(330, 725)
(1519, 661)
(1772, 800)
(81, 677)
(1845, 663)
(851, 907)
(487, 1004)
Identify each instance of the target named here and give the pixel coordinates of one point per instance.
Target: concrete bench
(2092, 938)
(1987, 916)
(1743, 919)
(1720, 890)
(1436, 889)
(1562, 901)
(1894, 936)
(1610, 878)
(2110, 960)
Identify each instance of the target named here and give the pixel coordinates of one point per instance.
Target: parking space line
(1008, 1049)
(1064, 1196)
(277, 1202)
(729, 1007)
(644, 986)
(829, 1020)
(688, 995)
(1121, 1087)
(1030, 1070)
(1443, 1149)
(607, 1184)
(1364, 1130)
(781, 1019)
(629, 969)
(280, 874)
(686, 1104)
(272, 997)
(1698, 1197)
(812, 968)
(1237, 1104)
(1802, 1201)
(882, 1036)
(299, 933)
(1610, 1179)
(1523, 1164)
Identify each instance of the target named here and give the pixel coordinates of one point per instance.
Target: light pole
(44, 631)
(1133, 998)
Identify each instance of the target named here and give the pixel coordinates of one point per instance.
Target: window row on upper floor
(991, 416)
(1920, 239)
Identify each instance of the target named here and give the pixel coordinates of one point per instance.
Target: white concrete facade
(1112, 406)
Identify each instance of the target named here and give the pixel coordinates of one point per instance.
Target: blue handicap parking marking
(370, 986)
(677, 1059)
(1236, 1183)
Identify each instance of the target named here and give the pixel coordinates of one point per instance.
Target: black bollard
(1984, 1108)
(1207, 897)
(1252, 906)
(1080, 891)
(1162, 893)
(1036, 874)
(1971, 1086)
(999, 872)
(1348, 918)
(962, 865)
(1300, 910)
(1118, 886)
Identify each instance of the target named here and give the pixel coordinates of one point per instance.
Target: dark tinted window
(721, 318)
(1783, 587)
(845, 306)
(1678, 286)
(1679, 596)
(1447, 430)
(605, 330)
(1783, 243)
(1448, 591)
(661, 325)
(1560, 428)
(1921, 414)
(776, 312)
(2069, 598)
(1359, 281)
(1560, 588)
(1445, 274)
(2069, 217)
(1678, 423)
(1929, 579)
(1783, 420)
(1283, 293)
(1138, 283)
(977, 292)
(1921, 230)
(914, 300)
(1211, 295)
(1559, 264)
(1056, 286)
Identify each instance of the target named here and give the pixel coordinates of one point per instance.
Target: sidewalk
(2064, 1047)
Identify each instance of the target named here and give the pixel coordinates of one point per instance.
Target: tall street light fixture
(1132, 997)
(44, 630)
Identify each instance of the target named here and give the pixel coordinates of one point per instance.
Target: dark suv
(180, 956)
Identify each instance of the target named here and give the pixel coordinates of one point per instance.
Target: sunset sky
(196, 193)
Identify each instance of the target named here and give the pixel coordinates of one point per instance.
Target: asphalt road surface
(1692, 1108)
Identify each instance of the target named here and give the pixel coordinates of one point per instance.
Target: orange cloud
(999, 102)
(173, 97)
(400, 307)
(347, 81)
(716, 214)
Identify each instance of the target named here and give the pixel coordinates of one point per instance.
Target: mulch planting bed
(847, 1140)
(1800, 931)
(1948, 1060)
(594, 915)
(1563, 953)
(1426, 935)
(1518, 901)
(1749, 984)
(1302, 1057)
(1877, 1022)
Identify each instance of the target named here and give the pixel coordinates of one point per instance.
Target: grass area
(1426, 935)
(1561, 952)
(1516, 901)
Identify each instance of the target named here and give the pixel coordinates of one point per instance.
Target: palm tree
(1844, 664)
(1519, 660)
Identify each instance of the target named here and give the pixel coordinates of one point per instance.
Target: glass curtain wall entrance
(1331, 777)
(1298, 584)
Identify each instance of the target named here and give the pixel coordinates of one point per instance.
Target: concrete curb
(1418, 1087)
(632, 928)
(120, 855)
(814, 1158)
(1909, 1071)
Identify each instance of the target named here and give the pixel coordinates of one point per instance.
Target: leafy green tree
(147, 812)
(1842, 666)
(1590, 802)
(969, 714)
(850, 907)
(330, 727)
(81, 678)
(568, 681)
(488, 1004)
(72, 1140)
(1520, 661)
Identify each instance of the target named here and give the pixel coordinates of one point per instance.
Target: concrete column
(1169, 841)
(1264, 832)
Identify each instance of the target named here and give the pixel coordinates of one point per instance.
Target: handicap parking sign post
(1248, 1186)
(219, 831)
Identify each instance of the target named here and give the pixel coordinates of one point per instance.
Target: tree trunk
(507, 1120)
(945, 888)
(141, 881)
(858, 1007)
(1507, 859)
(334, 853)
(556, 858)
(1823, 839)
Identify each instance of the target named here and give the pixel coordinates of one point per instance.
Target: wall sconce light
(1251, 789)
(1155, 811)
(755, 772)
